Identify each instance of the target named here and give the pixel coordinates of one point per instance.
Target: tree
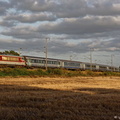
(11, 52)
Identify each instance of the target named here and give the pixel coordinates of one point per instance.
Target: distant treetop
(11, 52)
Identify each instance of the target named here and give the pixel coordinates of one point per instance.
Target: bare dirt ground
(75, 98)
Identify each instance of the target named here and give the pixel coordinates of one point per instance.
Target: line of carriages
(67, 64)
(30, 61)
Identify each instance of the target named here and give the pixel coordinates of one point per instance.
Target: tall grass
(52, 72)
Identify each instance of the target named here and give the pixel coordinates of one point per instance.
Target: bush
(40, 72)
(55, 71)
(111, 73)
(89, 72)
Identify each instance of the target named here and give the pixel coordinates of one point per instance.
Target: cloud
(61, 47)
(74, 26)
(5, 23)
(22, 33)
(33, 5)
(31, 18)
(69, 8)
(85, 25)
(4, 6)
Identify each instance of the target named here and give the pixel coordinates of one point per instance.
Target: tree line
(10, 52)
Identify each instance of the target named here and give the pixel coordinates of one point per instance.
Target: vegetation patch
(52, 72)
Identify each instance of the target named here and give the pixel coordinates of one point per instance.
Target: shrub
(89, 72)
(54, 71)
(57, 71)
(40, 72)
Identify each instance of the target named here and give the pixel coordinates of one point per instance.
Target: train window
(31, 61)
(4, 58)
(94, 66)
(102, 67)
(42, 61)
(39, 61)
(52, 62)
(65, 63)
(10, 58)
(56, 62)
(49, 62)
(77, 64)
(87, 65)
(71, 64)
(36, 61)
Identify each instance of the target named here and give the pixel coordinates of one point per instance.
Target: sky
(73, 28)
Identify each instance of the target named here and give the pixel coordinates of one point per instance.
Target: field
(47, 98)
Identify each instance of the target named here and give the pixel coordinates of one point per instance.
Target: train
(42, 62)
(11, 60)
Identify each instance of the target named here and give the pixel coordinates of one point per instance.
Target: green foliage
(14, 72)
(69, 74)
(111, 73)
(40, 72)
(11, 52)
(91, 73)
(22, 72)
(51, 72)
(55, 71)
(74, 73)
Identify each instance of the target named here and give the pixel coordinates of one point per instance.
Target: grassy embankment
(51, 72)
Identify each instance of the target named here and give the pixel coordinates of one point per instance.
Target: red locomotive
(7, 60)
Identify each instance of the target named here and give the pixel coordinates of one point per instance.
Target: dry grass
(77, 98)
